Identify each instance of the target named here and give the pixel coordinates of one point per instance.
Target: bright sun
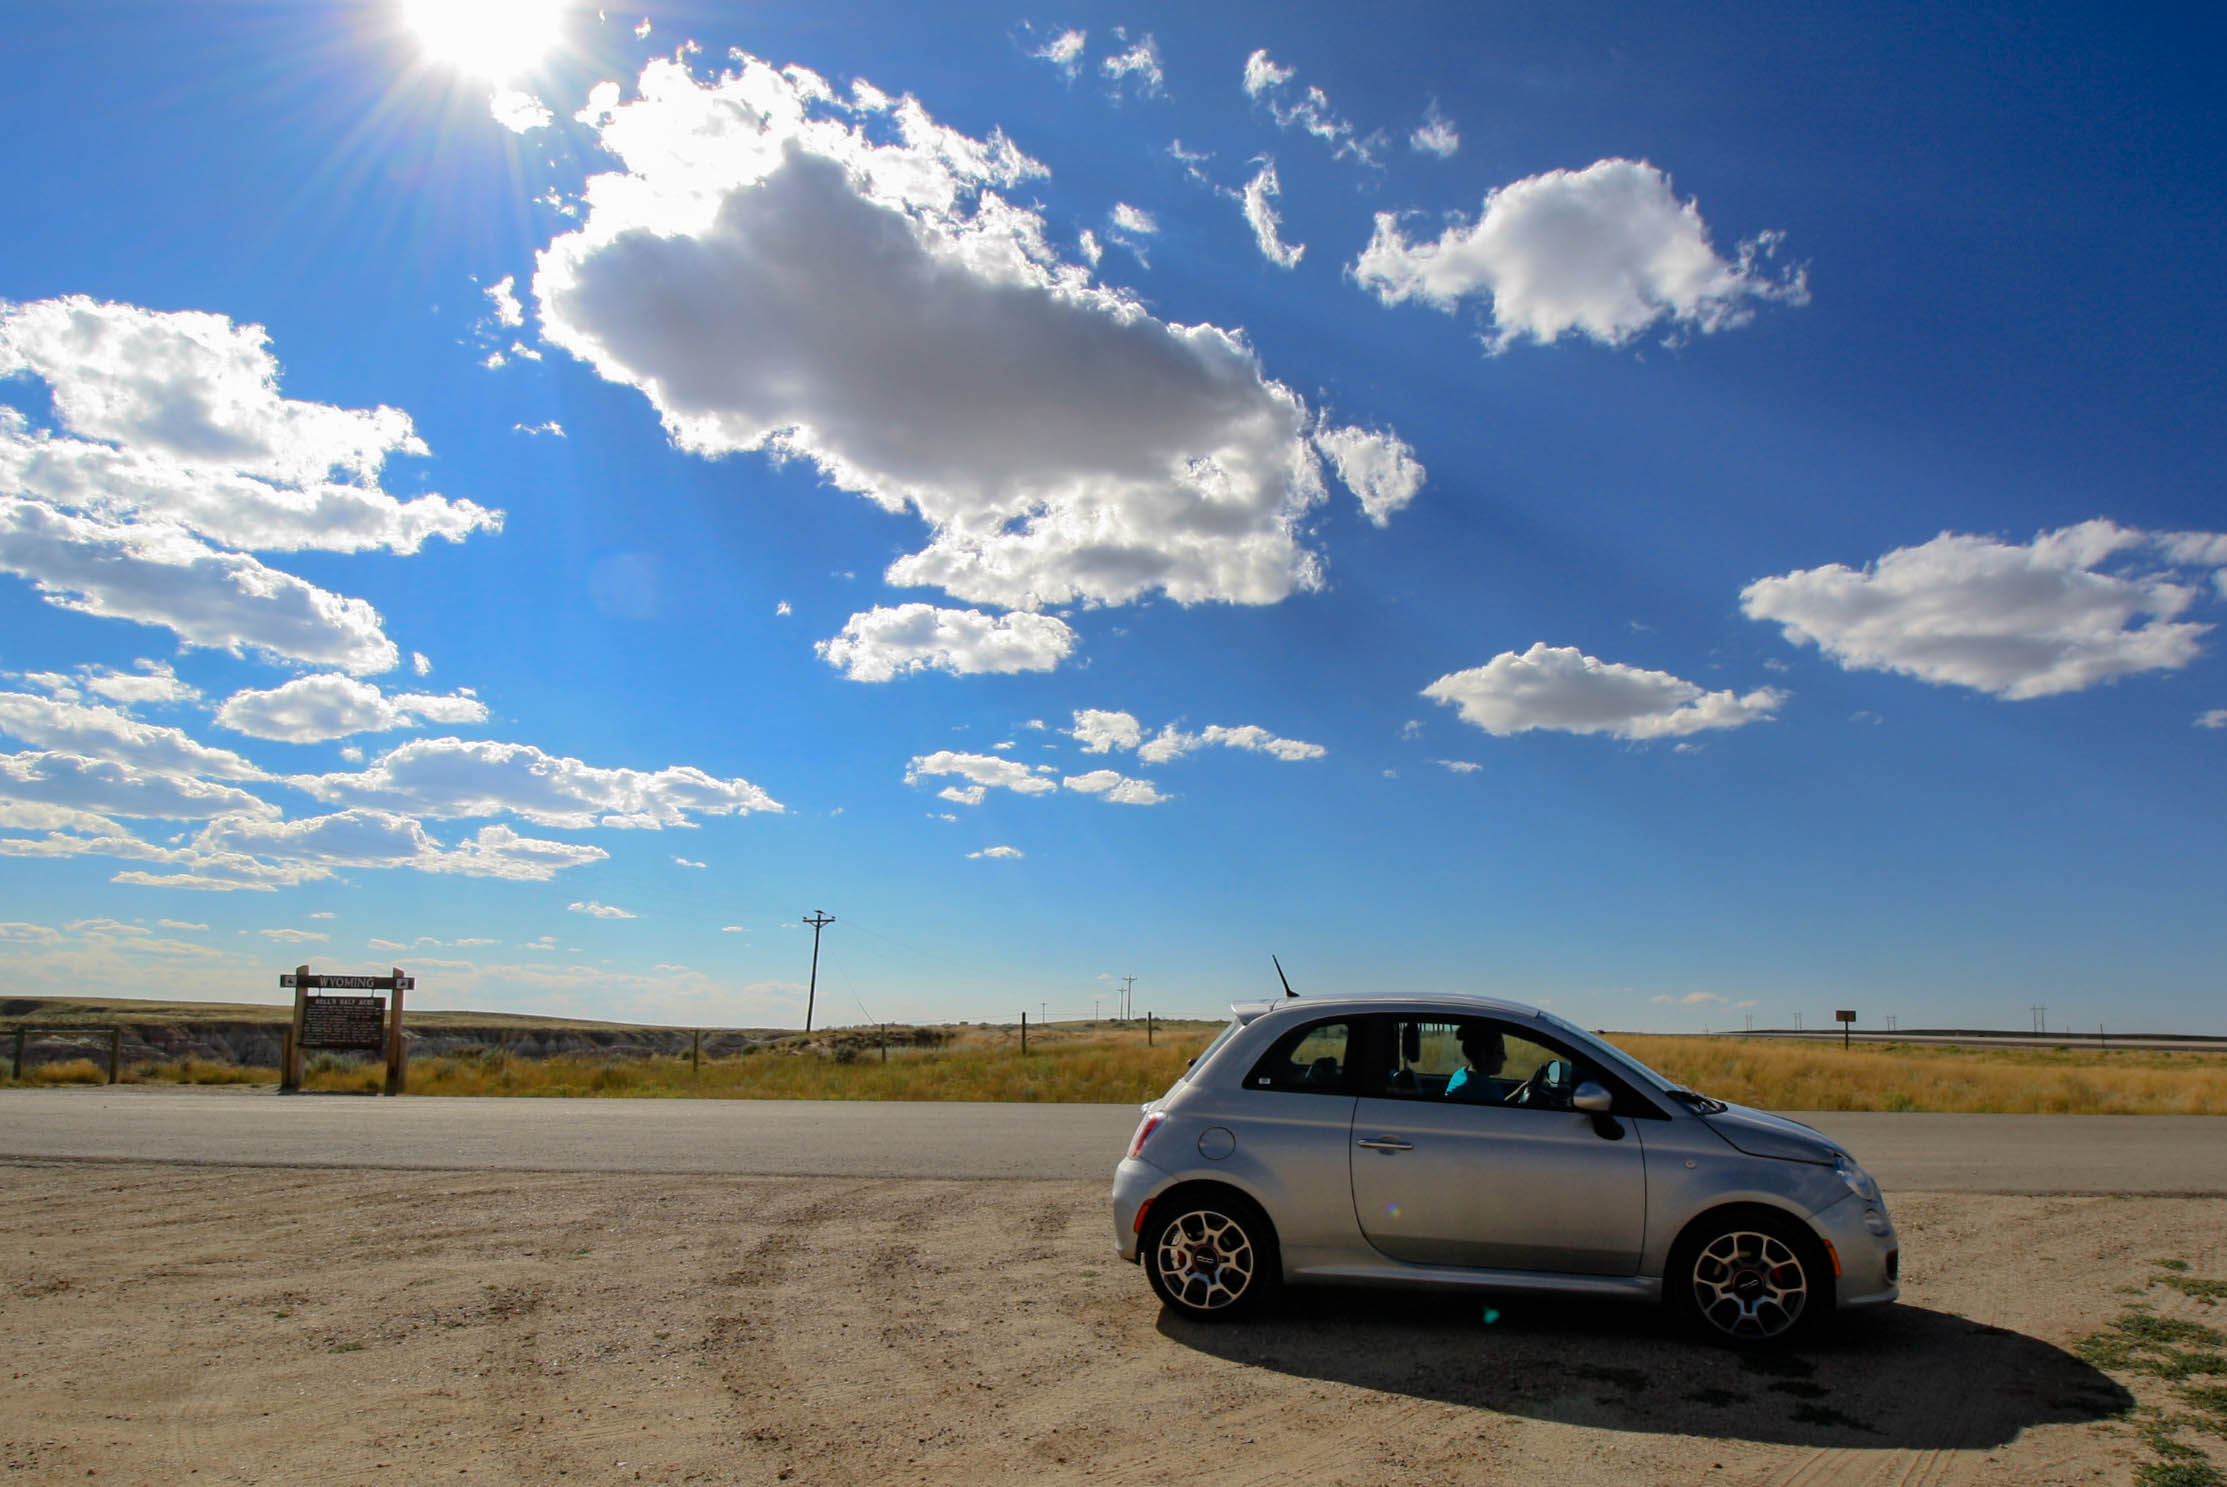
(493, 39)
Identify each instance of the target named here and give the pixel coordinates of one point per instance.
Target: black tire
(1750, 1280)
(1211, 1256)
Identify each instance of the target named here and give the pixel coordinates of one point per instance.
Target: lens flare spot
(1492, 1315)
(1392, 1210)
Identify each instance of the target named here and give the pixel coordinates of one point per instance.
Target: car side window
(1307, 1060)
(1475, 1061)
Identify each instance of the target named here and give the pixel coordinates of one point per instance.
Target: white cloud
(1087, 242)
(982, 771)
(888, 642)
(1606, 252)
(146, 682)
(1436, 135)
(1013, 854)
(1377, 466)
(452, 777)
(1561, 689)
(106, 787)
(158, 574)
(2014, 621)
(1261, 216)
(689, 862)
(105, 733)
(1127, 218)
(1262, 74)
(192, 385)
(294, 936)
(2216, 718)
(1115, 787)
(179, 924)
(230, 508)
(1139, 67)
(519, 112)
(310, 709)
(734, 929)
(1459, 766)
(1102, 732)
(420, 663)
(1064, 51)
(503, 295)
(1172, 742)
(1690, 999)
(382, 839)
(917, 338)
(599, 911)
(1311, 111)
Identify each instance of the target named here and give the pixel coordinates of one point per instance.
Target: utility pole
(1128, 996)
(818, 921)
(2041, 1018)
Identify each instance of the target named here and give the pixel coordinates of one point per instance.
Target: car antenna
(1280, 976)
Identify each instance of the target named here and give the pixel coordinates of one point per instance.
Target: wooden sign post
(1846, 1020)
(360, 1023)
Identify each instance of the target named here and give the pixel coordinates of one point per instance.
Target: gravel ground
(172, 1324)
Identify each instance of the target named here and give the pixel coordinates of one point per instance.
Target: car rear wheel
(1211, 1256)
(1751, 1281)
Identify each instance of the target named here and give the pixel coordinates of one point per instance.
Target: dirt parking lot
(170, 1324)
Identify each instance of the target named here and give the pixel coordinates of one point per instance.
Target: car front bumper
(1867, 1249)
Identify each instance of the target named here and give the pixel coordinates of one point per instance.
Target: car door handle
(1386, 1143)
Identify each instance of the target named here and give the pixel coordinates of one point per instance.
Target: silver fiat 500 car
(1456, 1141)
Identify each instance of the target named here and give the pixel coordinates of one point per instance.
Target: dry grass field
(1110, 1063)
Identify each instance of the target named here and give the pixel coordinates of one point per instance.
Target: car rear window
(1306, 1060)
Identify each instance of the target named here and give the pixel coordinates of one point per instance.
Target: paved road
(2037, 1154)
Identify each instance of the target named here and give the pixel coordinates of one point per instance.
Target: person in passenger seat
(1478, 1084)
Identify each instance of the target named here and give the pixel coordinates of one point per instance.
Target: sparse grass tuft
(2174, 1350)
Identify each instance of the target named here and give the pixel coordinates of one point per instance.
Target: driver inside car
(1487, 1053)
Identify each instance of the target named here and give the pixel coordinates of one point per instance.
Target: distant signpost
(354, 1023)
(1846, 1019)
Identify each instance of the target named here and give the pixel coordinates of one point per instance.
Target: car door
(1454, 1164)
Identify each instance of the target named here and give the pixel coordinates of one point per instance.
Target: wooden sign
(344, 1022)
(1844, 1016)
(361, 1022)
(396, 982)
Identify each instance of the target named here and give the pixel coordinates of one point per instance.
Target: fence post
(696, 1054)
(1148, 1029)
(19, 1045)
(885, 1042)
(18, 1074)
(290, 1076)
(115, 1053)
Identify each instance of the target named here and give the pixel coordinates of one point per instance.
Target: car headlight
(1858, 1180)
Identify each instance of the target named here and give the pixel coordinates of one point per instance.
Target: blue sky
(1682, 517)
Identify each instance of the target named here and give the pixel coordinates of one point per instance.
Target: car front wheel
(1750, 1280)
(1211, 1257)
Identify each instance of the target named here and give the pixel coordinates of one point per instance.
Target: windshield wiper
(1698, 1101)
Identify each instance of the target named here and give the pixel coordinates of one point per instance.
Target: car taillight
(1145, 1129)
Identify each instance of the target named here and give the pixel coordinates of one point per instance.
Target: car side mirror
(1592, 1099)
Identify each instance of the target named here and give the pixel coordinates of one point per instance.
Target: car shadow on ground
(1898, 1377)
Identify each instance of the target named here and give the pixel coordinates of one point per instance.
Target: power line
(1128, 997)
(818, 921)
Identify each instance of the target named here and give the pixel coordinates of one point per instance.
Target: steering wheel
(1522, 1093)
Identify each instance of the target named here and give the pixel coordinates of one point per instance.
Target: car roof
(1460, 1004)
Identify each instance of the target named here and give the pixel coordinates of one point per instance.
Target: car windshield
(1631, 1068)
